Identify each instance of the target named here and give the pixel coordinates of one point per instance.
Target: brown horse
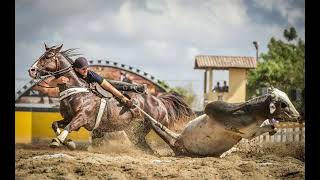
(82, 108)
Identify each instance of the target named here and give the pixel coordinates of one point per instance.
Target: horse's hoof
(54, 143)
(70, 144)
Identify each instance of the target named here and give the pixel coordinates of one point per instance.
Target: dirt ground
(118, 161)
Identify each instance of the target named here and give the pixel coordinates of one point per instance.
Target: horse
(224, 124)
(80, 105)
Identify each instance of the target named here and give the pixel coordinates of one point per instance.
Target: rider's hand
(62, 80)
(127, 102)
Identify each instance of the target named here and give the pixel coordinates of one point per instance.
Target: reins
(55, 73)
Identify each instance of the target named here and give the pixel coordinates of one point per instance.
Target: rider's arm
(107, 86)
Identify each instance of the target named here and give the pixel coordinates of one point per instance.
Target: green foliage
(283, 66)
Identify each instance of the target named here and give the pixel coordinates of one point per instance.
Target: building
(236, 66)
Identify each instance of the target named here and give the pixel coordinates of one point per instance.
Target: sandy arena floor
(38, 161)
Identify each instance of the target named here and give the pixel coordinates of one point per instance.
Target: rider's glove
(127, 102)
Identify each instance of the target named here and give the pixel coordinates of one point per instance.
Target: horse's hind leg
(137, 132)
(141, 141)
(96, 137)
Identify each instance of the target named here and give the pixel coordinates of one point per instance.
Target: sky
(160, 37)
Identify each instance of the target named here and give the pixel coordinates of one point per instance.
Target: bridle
(56, 73)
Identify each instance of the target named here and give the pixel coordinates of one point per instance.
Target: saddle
(101, 91)
(97, 89)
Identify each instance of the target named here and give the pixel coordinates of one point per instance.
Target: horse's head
(49, 63)
(281, 107)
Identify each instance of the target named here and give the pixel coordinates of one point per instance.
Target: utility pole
(255, 43)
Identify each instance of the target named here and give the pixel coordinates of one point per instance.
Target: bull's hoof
(271, 133)
(54, 143)
(70, 144)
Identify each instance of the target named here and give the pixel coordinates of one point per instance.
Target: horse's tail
(178, 110)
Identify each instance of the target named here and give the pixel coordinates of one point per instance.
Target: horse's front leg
(75, 124)
(56, 125)
(56, 129)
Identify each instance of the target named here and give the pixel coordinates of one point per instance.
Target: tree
(291, 34)
(283, 66)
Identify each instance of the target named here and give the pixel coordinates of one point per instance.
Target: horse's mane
(68, 53)
(176, 107)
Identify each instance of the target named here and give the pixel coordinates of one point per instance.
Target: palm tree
(290, 34)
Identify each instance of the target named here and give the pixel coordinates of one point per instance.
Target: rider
(81, 68)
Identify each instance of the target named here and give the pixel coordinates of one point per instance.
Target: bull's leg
(267, 128)
(56, 129)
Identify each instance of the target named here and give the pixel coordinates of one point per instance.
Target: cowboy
(81, 68)
(217, 88)
(225, 88)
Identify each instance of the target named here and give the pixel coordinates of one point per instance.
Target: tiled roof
(203, 62)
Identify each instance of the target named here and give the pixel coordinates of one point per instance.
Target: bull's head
(281, 107)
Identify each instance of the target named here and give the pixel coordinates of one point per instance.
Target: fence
(287, 132)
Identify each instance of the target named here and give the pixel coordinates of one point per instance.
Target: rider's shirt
(91, 77)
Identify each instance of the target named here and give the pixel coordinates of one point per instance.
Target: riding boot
(123, 86)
